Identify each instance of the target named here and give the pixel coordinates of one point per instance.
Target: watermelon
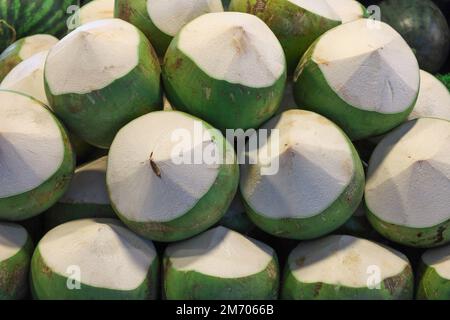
(445, 79)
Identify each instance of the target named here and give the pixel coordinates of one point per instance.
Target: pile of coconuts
(225, 150)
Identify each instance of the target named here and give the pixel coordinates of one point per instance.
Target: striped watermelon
(20, 18)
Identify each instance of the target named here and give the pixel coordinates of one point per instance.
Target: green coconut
(238, 66)
(297, 23)
(362, 75)
(220, 264)
(445, 79)
(87, 196)
(305, 181)
(16, 249)
(408, 184)
(93, 11)
(434, 275)
(24, 49)
(346, 268)
(94, 259)
(160, 20)
(35, 149)
(236, 219)
(101, 76)
(170, 175)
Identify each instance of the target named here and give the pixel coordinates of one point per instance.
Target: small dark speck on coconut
(154, 166)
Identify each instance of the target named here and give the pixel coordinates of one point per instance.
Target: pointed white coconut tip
(35, 44)
(439, 259)
(108, 254)
(433, 100)
(88, 184)
(409, 175)
(345, 261)
(92, 57)
(170, 16)
(28, 77)
(314, 161)
(97, 10)
(31, 144)
(12, 239)
(236, 47)
(338, 10)
(220, 252)
(152, 174)
(369, 66)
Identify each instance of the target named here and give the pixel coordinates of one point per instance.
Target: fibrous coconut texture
(305, 181)
(16, 249)
(161, 20)
(36, 159)
(434, 275)
(433, 100)
(238, 66)
(408, 186)
(297, 23)
(94, 259)
(362, 75)
(24, 49)
(340, 267)
(87, 196)
(171, 176)
(220, 264)
(96, 10)
(101, 76)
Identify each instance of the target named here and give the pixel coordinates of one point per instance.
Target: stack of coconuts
(344, 195)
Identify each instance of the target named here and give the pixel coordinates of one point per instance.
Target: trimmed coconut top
(31, 144)
(88, 184)
(369, 66)
(347, 10)
(35, 44)
(345, 261)
(152, 174)
(108, 255)
(338, 10)
(409, 175)
(97, 10)
(12, 239)
(92, 57)
(170, 16)
(439, 259)
(236, 47)
(220, 252)
(28, 77)
(433, 100)
(315, 166)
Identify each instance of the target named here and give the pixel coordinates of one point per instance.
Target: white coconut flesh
(12, 239)
(170, 16)
(31, 144)
(28, 77)
(147, 178)
(97, 10)
(345, 261)
(315, 166)
(433, 100)
(92, 57)
(409, 175)
(88, 184)
(35, 44)
(220, 252)
(337, 10)
(236, 47)
(108, 255)
(439, 260)
(369, 66)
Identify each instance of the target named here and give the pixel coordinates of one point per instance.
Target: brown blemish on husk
(317, 288)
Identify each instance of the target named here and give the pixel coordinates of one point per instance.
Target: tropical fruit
(408, 184)
(346, 268)
(238, 66)
(434, 275)
(16, 249)
(445, 79)
(171, 176)
(87, 196)
(94, 259)
(362, 75)
(101, 76)
(297, 23)
(161, 20)
(36, 157)
(220, 264)
(95, 10)
(305, 181)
